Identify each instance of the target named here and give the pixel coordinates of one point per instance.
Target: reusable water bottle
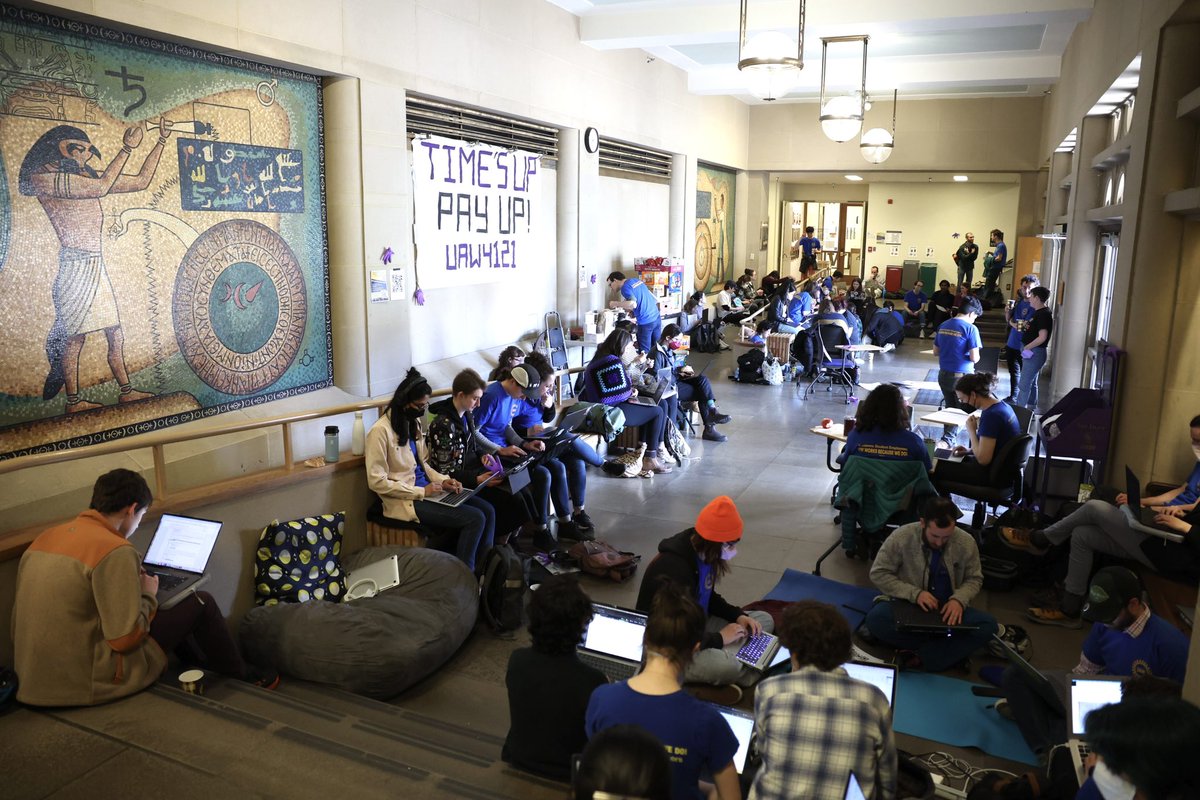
(331, 444)
(358, 435)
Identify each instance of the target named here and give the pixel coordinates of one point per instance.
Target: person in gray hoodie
(934, 564)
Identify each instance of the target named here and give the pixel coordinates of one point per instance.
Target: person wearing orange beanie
(695, 560)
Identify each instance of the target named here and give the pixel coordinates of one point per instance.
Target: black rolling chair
(832, 365)
(1003, 487)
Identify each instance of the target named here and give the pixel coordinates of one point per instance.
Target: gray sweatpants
(718, 665)
(1095, 527)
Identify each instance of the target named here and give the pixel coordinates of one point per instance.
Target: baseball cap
(527, 378)
(1109, 592)
(719, 521)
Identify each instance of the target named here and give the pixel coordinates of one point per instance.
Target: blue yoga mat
(795, 586)
(944, 710)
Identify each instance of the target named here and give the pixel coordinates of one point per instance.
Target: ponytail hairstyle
(675, 626)
(980, 383)
(413, 386)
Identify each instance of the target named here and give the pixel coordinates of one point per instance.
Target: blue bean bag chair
(376, 646)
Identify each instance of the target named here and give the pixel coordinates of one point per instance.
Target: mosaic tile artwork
(162, 234)
(714, 227)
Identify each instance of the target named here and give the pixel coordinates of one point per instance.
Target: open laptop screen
(1088, 694)
(881, 676)
(183, 543)
(742, 725)
(853, 790)
(616, 632)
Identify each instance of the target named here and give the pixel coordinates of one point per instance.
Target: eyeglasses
(730, 545)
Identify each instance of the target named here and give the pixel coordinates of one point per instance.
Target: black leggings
(1013, 357)
(651, 420)
(195, 628)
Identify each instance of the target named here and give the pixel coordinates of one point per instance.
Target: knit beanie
(719, 521)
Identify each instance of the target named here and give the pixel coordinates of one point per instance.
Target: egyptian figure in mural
(720, 218)
(56, 171)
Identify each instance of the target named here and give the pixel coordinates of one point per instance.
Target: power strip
(949, 792)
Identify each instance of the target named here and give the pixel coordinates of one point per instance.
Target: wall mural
(162, 234)
(714, 227)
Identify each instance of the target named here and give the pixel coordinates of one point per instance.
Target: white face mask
(1111, 785)
(1196, 451)
(728, 553)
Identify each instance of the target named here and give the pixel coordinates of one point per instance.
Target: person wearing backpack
(548, 686)
(696, 559)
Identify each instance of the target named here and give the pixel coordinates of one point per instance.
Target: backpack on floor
(502, 594)
(605, 561)
(749, 366)
(705, 338)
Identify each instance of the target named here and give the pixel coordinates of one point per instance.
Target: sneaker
(720, 419)
(1021, 539)
(889, 347)
(922, 333)
(567, 531)
(543, 541)
(613, 467)
(583, 521)
(711, 434)
(652, 464)
(1045, 615)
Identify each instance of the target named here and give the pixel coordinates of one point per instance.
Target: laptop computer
(663, 378)
(1142, 519)
(516, 473)
(1040, 683)
(742, 725)
(572, 419)
(178, 555)
(911, 618)
(759, 651)
(1087, 693)
(881, 676)
(456, 499)
(853, 789)
(612, 642)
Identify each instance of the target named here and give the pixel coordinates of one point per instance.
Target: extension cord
(949, 792)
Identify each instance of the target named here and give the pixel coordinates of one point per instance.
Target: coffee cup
(931, 446)
(847, 425)
(192, 681)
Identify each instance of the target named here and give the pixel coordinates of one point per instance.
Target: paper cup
(931, 446)
(192, 681)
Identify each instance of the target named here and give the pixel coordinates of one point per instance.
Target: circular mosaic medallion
(240, 307)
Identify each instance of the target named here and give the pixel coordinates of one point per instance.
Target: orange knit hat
(719, 521)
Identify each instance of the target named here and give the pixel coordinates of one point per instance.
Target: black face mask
(414, 413)
(967, 407)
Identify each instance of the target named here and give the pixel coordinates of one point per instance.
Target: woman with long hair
(398, 470)
(606, 380)
(694, 732)
(690, 386)
(509, 358)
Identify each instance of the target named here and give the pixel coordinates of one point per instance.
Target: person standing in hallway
(638, 298)
(965, 257)
(957, 345)
(809, 245)
(1017, 314)
(999, 256)
(1034, 341)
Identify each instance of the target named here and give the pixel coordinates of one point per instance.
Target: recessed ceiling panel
(958, 42)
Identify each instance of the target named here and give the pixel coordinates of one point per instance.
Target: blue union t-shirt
(955, 339)
(901, 445)
(694, 734)
(1022, 312)
(645, 304)
(1160, 649)
(1000, 423)
(495, 413)
(1192, 490)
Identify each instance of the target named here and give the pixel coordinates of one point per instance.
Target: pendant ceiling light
(842, 115)
(771, 60)
(876, 145)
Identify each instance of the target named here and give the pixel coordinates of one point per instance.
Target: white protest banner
(473, 211)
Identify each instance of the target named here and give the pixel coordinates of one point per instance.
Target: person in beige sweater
(86, 624)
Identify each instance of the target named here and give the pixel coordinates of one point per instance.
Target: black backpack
(749, 366)
(502, 596)
(705, 338)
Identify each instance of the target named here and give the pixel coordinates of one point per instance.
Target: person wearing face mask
(935, 564)
(1145, 749)
(1125, 639)
(690, 386)
(989, 430)
(399, 471)
(695, 560)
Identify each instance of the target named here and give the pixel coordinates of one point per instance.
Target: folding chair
(833, 366)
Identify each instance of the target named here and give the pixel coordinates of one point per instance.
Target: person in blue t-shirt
(638, 298)
(886, 327)
(995, 425)
(1017, 314)
(809, 245)
(881, 430)
(1125, 640)
(695, 735)
(914, 306)
(999, 256)
(957, 345)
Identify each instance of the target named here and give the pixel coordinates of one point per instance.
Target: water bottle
(358, 435)
(332, 450)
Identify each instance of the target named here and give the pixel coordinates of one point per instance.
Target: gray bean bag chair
(376, 646)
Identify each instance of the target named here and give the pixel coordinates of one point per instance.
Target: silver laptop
(1087, 693)
(178, 555)
(742, 725)
(612, 642)
(456, 499)
(881, 676)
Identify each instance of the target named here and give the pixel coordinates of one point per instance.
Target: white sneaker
(922, 333)
(889, 347)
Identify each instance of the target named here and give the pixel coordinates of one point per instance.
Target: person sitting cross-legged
(934, 564)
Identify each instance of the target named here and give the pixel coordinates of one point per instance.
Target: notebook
(371, 579)
(911, 618)
(1087, 693)
(1142, 519)
(612, 642)
(759, 651)
(881, 676)
(178, 555)
(742, 725)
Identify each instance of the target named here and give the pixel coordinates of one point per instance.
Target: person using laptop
(400, 472)
(695, 560)
(988, 432)
(934, 564)
(816, 723)
(1126, 639)
(548, 686)
(606, 380)
(689, 386)
(87, 628)
(1101, 527)
(693, 732)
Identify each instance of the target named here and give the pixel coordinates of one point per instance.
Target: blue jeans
(473, 523)
(937, 653)
(539, 490)
(1027, 387)
(584, 452)
(568, 483)
(648, 334)
(783, 327)
(651, 421)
